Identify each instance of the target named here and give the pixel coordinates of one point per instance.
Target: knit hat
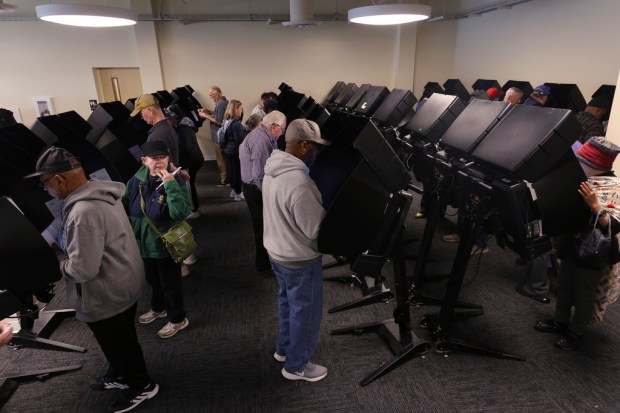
(55, 160)
(598, 153)
(601, 102)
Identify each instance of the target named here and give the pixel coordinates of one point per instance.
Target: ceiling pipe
(302, 14)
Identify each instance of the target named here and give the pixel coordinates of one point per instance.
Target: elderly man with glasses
(216, 117)
(253, 154)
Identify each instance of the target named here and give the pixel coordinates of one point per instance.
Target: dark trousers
(254, 200)
(164, 276)
(233, 168)
(193, 172)
(119, 342)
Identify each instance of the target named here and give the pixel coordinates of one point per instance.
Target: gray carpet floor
(223, 362)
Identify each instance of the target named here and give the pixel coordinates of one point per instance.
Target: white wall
(558, 41)
(42, 59)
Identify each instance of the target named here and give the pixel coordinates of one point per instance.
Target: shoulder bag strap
(143, 206)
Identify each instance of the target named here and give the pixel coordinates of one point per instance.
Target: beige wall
(248, 58)
(42, 59)
(538, 41)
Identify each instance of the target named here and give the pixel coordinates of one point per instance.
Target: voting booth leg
(36, 331)
(397, 331)
(440, 325)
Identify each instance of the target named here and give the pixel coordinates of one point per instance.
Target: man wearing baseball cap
(149, 110)
(539, 96)
(293, 213)
(103, 285)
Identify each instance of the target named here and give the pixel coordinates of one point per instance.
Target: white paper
(55, 206)
(50, 234)
(100, 175)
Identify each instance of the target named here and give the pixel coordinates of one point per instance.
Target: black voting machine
(492, 152)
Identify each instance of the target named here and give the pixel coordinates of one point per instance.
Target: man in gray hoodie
(103, 270)
(292, 212)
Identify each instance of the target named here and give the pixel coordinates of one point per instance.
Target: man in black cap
(591, 118)
(103, 270)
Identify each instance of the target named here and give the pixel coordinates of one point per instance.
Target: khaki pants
(221, 163)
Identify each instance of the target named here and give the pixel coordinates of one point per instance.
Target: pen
(173, 173)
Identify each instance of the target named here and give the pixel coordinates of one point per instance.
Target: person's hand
(589, 196)
(6, 333)
(205, 114)
(165, 175)
(182, 173)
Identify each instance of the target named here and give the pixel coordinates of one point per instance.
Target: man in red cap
(578, 279)
(495, 93)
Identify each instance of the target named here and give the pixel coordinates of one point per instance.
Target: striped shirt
(253, 154)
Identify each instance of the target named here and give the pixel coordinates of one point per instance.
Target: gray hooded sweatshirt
(292, 211)
(103, 270)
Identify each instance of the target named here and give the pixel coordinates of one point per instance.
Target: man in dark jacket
(100, 261)
(190, 155)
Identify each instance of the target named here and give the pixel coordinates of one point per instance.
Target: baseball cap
(55, 160)
(494, 93)
(305, 130)
(143, 102)
(175, 111)
(154, 148)
(542, 90)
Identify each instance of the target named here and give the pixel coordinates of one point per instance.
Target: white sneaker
(312, 372)
(191, 260)
(170, 329)
(279, 357)
(238, 198)
(151, 316)
(184, 270)
(232, 194)
(194, 214)
(242, 196)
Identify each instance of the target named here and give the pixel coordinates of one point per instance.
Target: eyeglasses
(43, 183)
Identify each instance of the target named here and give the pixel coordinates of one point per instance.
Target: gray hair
(274, 118)
(514, 91)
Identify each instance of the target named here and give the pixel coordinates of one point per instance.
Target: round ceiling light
(387, 14)
(86, 15)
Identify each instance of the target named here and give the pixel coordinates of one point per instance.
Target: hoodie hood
(188, 122)
(106, 191)
(281, 162)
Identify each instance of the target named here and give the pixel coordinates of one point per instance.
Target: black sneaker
(133, 398)
(106, 382)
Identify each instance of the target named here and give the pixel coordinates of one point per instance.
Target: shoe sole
(292, 376)
(183, 326)
(109, 386)
(149, 321)
(279, 358)
(142, 399)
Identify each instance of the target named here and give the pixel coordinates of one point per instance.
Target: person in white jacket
(292, 213)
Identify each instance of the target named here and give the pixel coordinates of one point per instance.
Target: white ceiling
(233, 9)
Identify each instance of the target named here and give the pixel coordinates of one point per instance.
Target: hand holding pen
(166, 176)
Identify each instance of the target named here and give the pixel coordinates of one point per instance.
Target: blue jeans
(300, 307)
